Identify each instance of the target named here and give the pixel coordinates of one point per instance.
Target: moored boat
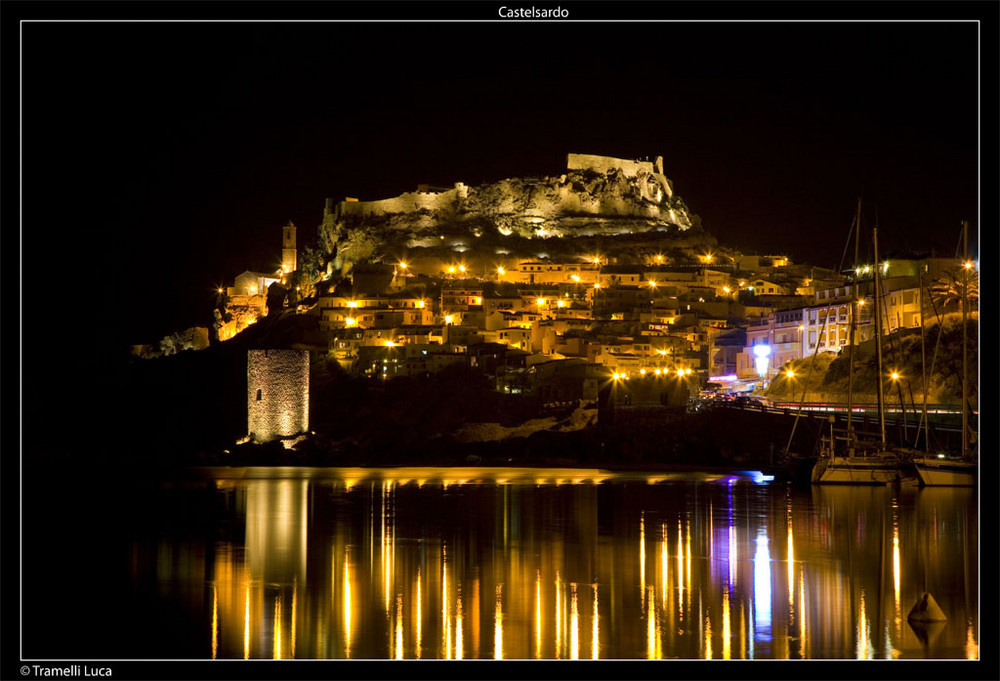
(954, 471)
(946, 472)
(884, 468)
(857, 463)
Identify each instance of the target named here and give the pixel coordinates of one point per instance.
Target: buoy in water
(926, 610)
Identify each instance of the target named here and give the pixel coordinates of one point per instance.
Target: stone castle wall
(602, 164)
(410, 202)
(278, 393)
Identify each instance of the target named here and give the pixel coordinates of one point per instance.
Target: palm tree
(947, 291)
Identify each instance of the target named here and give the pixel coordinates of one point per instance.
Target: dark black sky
(161, 159)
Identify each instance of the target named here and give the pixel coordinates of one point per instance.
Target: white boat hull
(946, 473)
(860, 471)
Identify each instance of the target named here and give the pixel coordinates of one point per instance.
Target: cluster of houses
(731, 320)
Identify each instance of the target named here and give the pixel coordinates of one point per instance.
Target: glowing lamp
(350, 321)
(402, 265)
(790, 374)
(447, 319)
(761, 353)
(540, 301)
(501, 271)
(451, 270)
(894, 375)
(461, 268)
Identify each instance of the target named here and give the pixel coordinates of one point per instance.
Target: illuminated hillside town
(506, 339)
(555, 288)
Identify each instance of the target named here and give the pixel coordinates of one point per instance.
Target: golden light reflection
(682, 615)
(642, 551)
(498, 625)
(215, 621)
(347, 604)
(743, 633)
(687, 560)
(664, 557)
(680, 571)
(277, 628)
(733, 553)
(420, 613)
(896, 570)
(791, 568)
(459, 647)
(863, 647)
(538, 614)
(399, 627)
(574, 627)
(595, 646)
(246, 623)
(726, 633)
(446, 629)
(558, 617)
(971, 647)
(385, 546)
(653, 647)
(708, 638)
(803, 618)
(294, 606)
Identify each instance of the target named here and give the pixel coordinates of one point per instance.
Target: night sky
(161, 159)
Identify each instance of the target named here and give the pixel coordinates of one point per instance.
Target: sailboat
(963, 470)
(862, 463)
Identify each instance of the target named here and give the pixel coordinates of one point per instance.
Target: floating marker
(926, 610)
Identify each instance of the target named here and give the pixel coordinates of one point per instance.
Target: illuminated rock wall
(410, 202)
(278, 393)
(602, 164)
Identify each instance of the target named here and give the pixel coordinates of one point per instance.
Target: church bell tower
(288, 252)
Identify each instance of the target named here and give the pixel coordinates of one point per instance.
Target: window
(259, 395)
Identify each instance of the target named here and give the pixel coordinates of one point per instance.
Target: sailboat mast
(923, 363)
(850, 346)
(878, 339)
(965, 343)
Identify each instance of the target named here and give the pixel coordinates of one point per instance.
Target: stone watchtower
(278, 393)
(288, 252)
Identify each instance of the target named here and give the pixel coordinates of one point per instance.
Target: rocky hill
(615, 203)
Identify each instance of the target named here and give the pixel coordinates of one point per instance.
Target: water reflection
(409, 564)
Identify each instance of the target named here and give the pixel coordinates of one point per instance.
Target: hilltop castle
(568, 196)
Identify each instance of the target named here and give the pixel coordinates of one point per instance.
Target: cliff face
(605, 198)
